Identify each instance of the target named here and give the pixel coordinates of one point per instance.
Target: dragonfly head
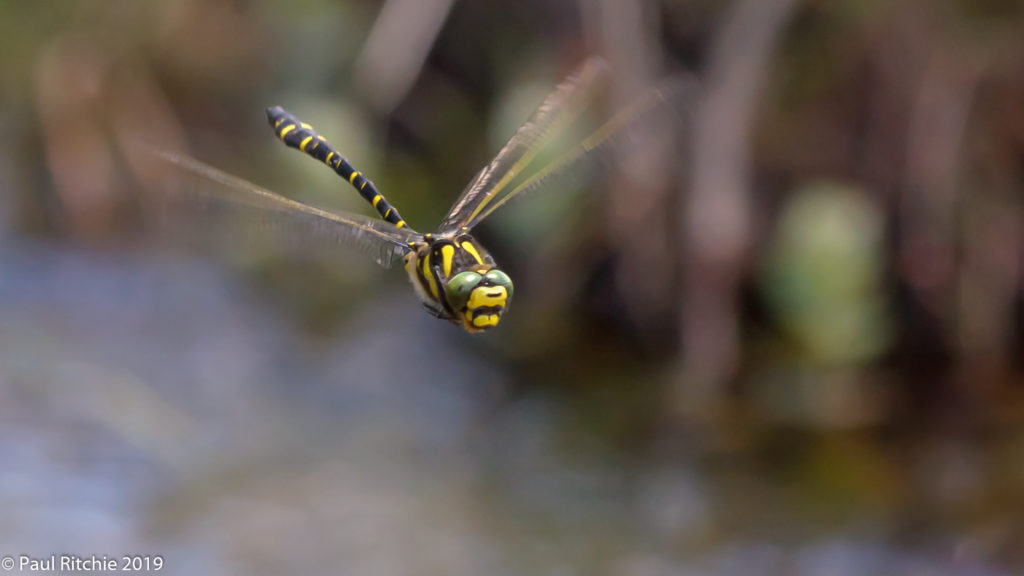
(479, 298)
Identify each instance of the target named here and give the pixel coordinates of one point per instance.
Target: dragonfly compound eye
(460, 287)
(499, 278)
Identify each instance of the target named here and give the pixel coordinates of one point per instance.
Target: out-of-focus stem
(396, 49)
(717, 213)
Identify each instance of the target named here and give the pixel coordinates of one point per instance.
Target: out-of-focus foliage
(785, 339)
(824, 279)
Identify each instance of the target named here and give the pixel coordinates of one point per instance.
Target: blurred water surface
(160, 406)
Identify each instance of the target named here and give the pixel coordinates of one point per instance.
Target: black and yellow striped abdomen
(302, 137)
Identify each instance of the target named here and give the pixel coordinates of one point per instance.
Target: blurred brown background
(788, 341)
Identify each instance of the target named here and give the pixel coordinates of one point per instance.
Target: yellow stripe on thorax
(284, 131)
(428, 274)
(305, 141)
(468, 247)
(447, 253)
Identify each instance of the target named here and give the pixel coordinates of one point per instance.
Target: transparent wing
(657, 109)
(213, 203)
(559, 110)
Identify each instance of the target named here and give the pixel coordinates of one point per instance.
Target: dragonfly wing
(560, 109)
(214, 203)
(657, 109)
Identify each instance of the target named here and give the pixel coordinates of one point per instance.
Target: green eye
(501, 279)
(460, 287)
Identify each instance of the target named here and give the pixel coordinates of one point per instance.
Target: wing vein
(297, 221)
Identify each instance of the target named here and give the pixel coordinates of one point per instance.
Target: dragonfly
(453, 275)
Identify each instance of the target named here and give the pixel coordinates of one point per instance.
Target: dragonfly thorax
(456, 279)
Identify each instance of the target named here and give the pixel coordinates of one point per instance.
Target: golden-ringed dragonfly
(453, 275)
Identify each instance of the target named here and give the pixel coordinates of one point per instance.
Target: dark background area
(785, 340)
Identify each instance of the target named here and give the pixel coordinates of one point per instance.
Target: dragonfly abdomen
(302, 137)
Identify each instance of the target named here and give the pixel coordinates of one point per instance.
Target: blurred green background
(788, 340)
